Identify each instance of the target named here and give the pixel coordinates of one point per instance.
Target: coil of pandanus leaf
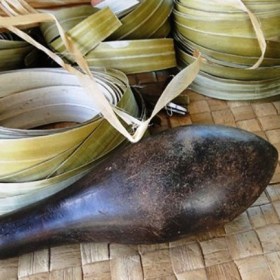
(12, 51)
(134, 43)
(231, 45)
(35, 163)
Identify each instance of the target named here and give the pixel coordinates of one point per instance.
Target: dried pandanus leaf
(237, 73)
(239, 41)
(129, 56)
(38, 162)
(213, 7)
(90, 32)
(223, 58)
(235, 90)
(12, 52)
(144, 21)
(36, 105)
(235, 26)
(134, 56)
(228, 43)
(68, 18)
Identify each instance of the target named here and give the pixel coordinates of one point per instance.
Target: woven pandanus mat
(248, 248)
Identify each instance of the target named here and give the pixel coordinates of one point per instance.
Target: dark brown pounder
(178, 182)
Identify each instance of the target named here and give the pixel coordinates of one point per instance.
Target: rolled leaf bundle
(239, 41)
(133, 44)
(213, 67)
(238, 25)
(145, 20)
(230, 59)
(134, 56)
(226, 43)
(213, 86)
(212, 6)
(29, 154)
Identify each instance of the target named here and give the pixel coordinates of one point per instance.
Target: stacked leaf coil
(36, 163)
(225, 37)
(134, 43)
(12, 51)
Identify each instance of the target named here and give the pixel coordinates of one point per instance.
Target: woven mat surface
(247, 248)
